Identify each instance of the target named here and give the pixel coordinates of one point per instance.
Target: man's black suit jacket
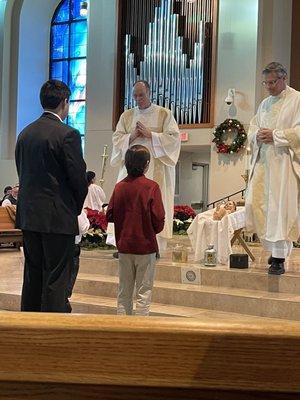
(52, 177)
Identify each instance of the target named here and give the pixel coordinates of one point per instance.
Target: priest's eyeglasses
(270, 83)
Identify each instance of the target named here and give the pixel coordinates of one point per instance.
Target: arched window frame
(70, 52)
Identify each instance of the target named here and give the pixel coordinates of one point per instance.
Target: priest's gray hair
(280, 70)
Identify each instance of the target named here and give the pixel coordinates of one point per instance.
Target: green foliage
(229, 126)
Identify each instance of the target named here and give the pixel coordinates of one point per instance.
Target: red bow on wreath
(222, 148)
(230, 125)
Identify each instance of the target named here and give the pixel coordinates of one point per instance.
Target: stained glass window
(68, 45)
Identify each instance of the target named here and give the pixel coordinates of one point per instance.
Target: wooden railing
(226, 198)
(51, 356)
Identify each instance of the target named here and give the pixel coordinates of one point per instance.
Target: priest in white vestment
(155, 128)
(96, 196)
(272, 199)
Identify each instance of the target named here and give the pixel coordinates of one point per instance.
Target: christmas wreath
(228, 126)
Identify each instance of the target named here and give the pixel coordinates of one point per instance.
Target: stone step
(243, 301)
(250, 278)
(88, 304)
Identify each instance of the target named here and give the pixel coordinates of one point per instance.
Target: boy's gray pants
(135, 269)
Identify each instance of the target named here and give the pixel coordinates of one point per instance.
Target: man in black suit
(53, 186)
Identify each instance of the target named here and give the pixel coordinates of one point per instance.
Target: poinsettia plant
(97, 219)
(183, 217)
(96, 235)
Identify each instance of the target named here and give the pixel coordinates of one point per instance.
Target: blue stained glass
(63, 13)
(76, 117)
(78, 39)
(59, 70)
(69, 42)
(75, 9)
(77, 81)
(60, 41)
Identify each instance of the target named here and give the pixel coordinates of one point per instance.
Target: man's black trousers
(48, 261)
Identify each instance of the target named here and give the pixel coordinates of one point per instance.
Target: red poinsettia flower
(183, 212)
(97, 219)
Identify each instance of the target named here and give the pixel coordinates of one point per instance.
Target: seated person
(224, 209)
(11, 200)
(7, 192)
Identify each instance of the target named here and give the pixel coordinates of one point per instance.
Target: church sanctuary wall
(243, 46)
(2, 13)
(236, 67)
(251, 33)
(274, 38)
(191, 180)
(33, 65)
(102, 56)
(7, 89)
(25, 47)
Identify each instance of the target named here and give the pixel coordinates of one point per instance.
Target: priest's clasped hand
(264, 135)
(143, 130)
(140, 130)
(134, 135)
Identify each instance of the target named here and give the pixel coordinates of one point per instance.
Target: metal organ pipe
(170, 60)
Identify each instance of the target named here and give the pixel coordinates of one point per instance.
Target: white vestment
(272, 198)
(83, 226)
(164, 147)
(95, 198)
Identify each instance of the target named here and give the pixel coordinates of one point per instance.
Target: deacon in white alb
(155, 128)
(272, 200)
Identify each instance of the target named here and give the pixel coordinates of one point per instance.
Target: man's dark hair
(52, 93)
(144, 82)
(90, 175)
(136, 159)
(6, 189)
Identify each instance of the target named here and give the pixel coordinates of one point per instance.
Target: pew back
(105, 357)
(8, 233)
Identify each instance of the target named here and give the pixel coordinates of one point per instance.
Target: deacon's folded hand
(265, 135)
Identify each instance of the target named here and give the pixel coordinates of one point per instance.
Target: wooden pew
(8, 233)
(55, 357)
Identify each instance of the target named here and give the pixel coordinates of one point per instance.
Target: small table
(222, 234)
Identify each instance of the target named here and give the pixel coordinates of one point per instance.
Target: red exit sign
(184, 136)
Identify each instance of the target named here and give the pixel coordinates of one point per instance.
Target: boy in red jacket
(137, 211)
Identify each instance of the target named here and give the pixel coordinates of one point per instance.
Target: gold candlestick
(245, 176)
(103, 165)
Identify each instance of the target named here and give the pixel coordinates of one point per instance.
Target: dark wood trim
(214, 64)
(56, 391)
(197, 126)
